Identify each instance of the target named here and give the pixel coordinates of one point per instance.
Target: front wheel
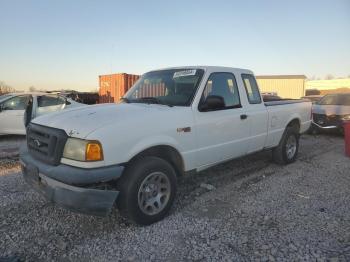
(287, 150)
(147, 190)
(313, 130)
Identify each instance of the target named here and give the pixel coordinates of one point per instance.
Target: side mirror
(212, 103)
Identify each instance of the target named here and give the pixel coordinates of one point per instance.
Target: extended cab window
(44, 101)
(222, 85)
(15, 103)
(251, 88)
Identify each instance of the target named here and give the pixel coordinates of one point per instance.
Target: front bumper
(71, 187)
(327, 122)
(326, 126)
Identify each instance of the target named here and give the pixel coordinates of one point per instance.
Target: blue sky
(67, 44)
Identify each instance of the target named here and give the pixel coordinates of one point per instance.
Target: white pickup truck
(171, 122)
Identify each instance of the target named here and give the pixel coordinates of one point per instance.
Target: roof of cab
(211, 69)
(30, 93)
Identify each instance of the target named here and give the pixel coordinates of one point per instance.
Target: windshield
(341, 100)
(175, 87)
(2, 97)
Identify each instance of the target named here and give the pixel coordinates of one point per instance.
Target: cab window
(15, 103)
(44, 101)
(251, 88)
(223, 85)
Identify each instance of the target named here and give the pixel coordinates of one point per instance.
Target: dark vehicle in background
(330, 112)
(88, 98)
(313, 98)
(271, 97)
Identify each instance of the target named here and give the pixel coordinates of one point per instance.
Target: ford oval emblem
(37, 142)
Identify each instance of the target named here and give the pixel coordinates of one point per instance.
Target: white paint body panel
(125, 130)
(11, 122)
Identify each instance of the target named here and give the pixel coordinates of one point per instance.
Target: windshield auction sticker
(190, 72)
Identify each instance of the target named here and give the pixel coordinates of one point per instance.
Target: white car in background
(13, 109)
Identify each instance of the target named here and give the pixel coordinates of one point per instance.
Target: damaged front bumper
(325, 126)
(71, 187)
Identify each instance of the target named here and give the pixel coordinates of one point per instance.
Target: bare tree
(4, 88)
(312, 78)
(329, 77)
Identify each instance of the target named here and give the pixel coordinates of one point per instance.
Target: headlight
(346, 118)
(83, 150)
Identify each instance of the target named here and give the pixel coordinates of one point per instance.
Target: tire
(313, 130)
(287, 150)
(147, 190)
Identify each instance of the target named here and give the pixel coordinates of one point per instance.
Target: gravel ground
(247, 209)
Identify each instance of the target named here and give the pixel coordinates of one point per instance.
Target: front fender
(158, 140)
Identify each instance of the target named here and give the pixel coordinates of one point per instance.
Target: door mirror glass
(213, 102)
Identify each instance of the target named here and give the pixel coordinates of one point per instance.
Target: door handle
(244, 117)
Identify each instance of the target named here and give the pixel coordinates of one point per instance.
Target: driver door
(221, 133)
(11, 115)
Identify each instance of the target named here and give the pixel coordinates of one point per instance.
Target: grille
(319, 119)
(324, 120)
(46, 143)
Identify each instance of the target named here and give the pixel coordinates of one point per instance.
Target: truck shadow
(194, 185)
(251, 168)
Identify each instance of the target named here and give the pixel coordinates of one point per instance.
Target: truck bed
(281, 112)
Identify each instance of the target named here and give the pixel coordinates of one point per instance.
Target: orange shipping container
(114, 86)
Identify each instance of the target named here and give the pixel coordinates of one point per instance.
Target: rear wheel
(287, 150)
(313, 130)
(147, 190)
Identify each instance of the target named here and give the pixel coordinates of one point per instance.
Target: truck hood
(80, 122)
(331, 110)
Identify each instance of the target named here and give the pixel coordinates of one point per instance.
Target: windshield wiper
(152, 100)
(125, 100)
